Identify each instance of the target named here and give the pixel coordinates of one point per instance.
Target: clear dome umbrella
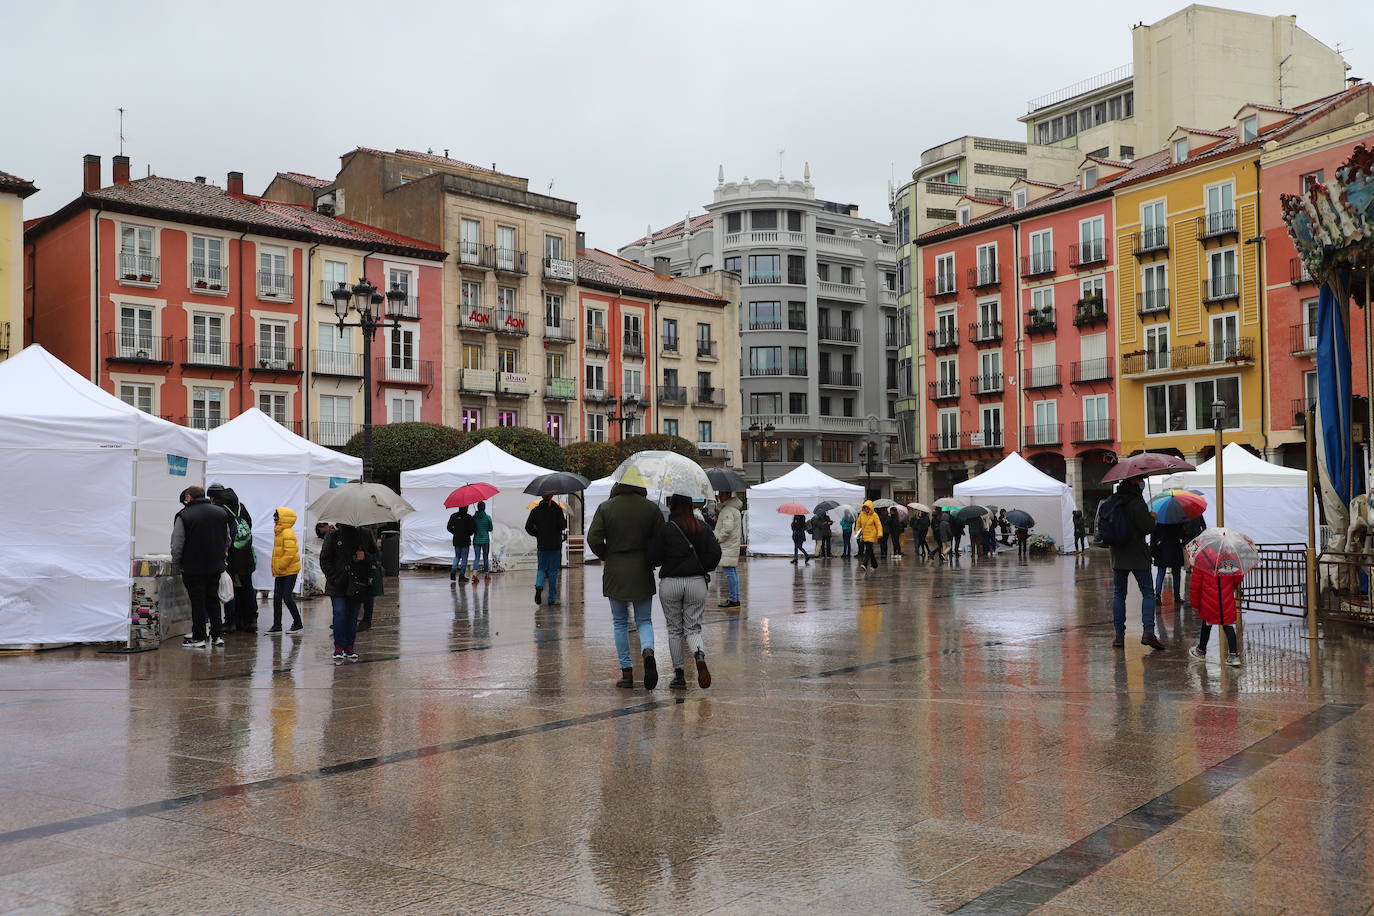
(665, 474)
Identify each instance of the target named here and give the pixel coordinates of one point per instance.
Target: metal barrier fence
(1350, 600)
(1278, 585)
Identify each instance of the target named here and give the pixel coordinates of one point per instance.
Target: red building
(196, 302)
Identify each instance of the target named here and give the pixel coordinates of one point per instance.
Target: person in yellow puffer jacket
(869, 527)
(286, 566)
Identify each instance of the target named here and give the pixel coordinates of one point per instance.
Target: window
(335, 355)
(553, 425)
(1096, 424)
(507, 418)
(1180, 149)
(796, 360)
(137, 260)
(1092, 351)
(944, 273)
(796, 269)
(796, 316)
(470, 419)
(335, 426)
(763, 220)
(965, 214)
(470, 241)
(1205, 392)
(1310, 179)
(401, 364)
(765, 316)
(988, 315)
(1018, 198)
(1042, 368)
(472, 294)
(596, 377)
(507, 360)
(670, 427)
(138, 396)
(904, 275)
(207, 262)
(403, 280)
(553, 247)
(1092, 240)
(1166, 408)
(1225, 336)
(402, 409)
(989, 369)
(825, 407)
(987, 263)
(837, 451)
(794, 221)
(273, 403)
(505, 248)
(704, 431)
(1153, 233)
(732, 264)
(1093, 288)
(823, 271)
(1127, 153)
(505, 302)
(634, 335)
(734, 222)
(596, 427)
(796, 403)
(847, 407)
(765, 268)
(273, 280)
(207, 407)
(1090, 178)
(765, 360)
(136, 333)
(705, 346)
(704, 386)
(1221, 208)
(945, 331)
(1309, 388)
(796, 450)
(768, 403)
(273, 348)
(1249, 129)
(1042, 305)
(1046, 428)
(1154, 288)
(1157, 346)
(992, 425)
(208, 346)
(1309, 326)
(472, 356)
(890, 281)
(634, 384)
(846, 275)
(903, 227)
(553, 313)
(948, 421)
(670, 335)
(1221, 274)
(1042, 251)
(335, 272)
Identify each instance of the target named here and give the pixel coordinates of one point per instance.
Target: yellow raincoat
(286, 552)
(868, 526)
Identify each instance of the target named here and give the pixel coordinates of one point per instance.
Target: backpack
(243, 532)
(1113, 527)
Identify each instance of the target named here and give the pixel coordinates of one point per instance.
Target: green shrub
(593, 460)
(398, 447)
(656, 442)
(530, 445)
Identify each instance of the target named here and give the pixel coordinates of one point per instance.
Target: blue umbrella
(1020, 518)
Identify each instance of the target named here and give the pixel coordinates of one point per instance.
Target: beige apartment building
(508, 309)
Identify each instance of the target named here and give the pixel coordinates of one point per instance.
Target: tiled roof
(994, 201)
(1037, 182)
(338, 227)
(310, 181)
(1275, 108)
(703, 221)
(1224, 133)
(430, 157)
(1114, 163)
(603, 269)
(13, 184)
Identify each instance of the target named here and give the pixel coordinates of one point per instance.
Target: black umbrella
(724, 480)
(557, 484)
(825, 505)
(1020, 518)
(971, 512)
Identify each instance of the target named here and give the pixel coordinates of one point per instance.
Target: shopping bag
(226, 588)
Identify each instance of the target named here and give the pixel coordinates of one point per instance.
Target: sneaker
(219, 642)
(274, 630)
(1197, 653)
(703, 673)
(650, 670)
(338, 655)
(189, 643)
(351, 655)
(1233, 659)
(474, 580)
(295, 627)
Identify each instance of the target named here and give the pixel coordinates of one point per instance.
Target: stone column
(1073, 474)
(925, 484)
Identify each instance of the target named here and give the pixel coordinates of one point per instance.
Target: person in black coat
(1166, 553)
(686, 551)
(200, 545)
(462, 527)
(546, 524)
(1191, 529)
(799, 539)
(347, 559)
(920, 529)
(242, 613)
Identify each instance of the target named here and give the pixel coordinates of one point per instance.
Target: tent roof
(804, 477)
(254, 443)
(478, 464)
(1012, 476)
(45, 404)
(1241, 468)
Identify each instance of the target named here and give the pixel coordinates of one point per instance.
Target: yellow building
(13, 190)
(1189, 329)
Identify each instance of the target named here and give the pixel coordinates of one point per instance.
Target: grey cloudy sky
(627, 107)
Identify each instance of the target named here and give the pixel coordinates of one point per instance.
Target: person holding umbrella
(546, 524)
(1125, 523)
(846, 533)
(799, 538)
(461, 527)
(686, 551)
(347, 558)
(481, 541)
(821, 533)
(1219, 558)
(920, 529)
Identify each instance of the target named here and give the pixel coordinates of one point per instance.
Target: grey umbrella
(725, 480)
(825, 505)
(557, 484)
(357, 503)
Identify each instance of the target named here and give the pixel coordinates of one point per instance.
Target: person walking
(1124, 523)
(823, 533)
(846, 531)
(286, 566)
(620, 533)
(1003, 528)
(461, 526)
(1080, 531)
(346, 559)
(944, 535)
(1214, 596)
(686, 552)
(481, 541)
(546, 524)
(897, 526)
(799, 539)
(870, 529)
(242, 560)
(920, 530)
(957, 528)
(975, 536)
(730, 535)
(1166, 552)
(200, 544)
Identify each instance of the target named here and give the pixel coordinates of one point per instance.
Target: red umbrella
(1146, 464)
(793, 509)
(470, 493)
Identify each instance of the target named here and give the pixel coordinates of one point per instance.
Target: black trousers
(283, 592)
(866, 554)
(203, 592)
(246, 605)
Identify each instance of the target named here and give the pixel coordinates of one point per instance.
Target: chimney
(663, 266)
(121, 169)
(200, 179)
(581, 240)
(235, 184)
(90, 172)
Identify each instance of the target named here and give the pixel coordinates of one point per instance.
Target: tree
(398, 447)
(593, 460)
(530, 445)
(661, 442)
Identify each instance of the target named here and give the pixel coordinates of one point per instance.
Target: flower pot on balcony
(216, 286)
(201, 284)
(290, 365)
(129, 277)
(262, 364)
(145, 278)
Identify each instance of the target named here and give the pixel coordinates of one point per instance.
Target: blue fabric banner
(1334, 435)
(176, 465)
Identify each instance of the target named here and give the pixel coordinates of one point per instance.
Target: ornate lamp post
(868, 463)
(364, 299)
(762, 435)
(1218, 424)
(629, 409)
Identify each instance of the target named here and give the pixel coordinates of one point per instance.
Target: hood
(286, 518)
(733, 502)
(868, 506)
(228, 498)
(625, 489)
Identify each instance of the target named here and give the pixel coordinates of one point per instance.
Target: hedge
(532, 445)
(398, 447)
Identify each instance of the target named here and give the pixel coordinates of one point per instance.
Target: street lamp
(762, 435)
(629, 408)
(868, 462)
(1219, 423)
(364, 299)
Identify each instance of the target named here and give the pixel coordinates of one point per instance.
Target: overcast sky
(626, 108)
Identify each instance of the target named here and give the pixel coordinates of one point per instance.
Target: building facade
(818, 324)
(13, 190)
(196, 302)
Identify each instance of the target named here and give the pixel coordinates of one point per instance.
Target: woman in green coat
(619, 535)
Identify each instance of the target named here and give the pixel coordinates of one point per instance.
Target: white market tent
(424, 533)
(597, 492)
(1015, 483)
(770, 532)
(89, 484)
(1263, 500)
(268, 466)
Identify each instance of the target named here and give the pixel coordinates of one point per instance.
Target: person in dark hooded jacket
(462, 527)
(546, 524)
(242, 614)
(620, 534)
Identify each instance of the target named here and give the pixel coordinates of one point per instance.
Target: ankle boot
(627, 678)
(650, 670)
(679, 681)
(1151, 640)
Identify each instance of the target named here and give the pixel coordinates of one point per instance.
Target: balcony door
(1091, 234)
(1221, 273)
(1221, 208)
(402, 366)
(136, 333)
(990, 370)
(987, 263)
(1225, 336)
(1152, 230)
(1046, 423)
(207, 340)
(336, 349)
(992, 426)
(1157, 346)
(944, 327)
(336, 419)
(1095, 421)
(505, 247)
(947, 371)
(272, 346)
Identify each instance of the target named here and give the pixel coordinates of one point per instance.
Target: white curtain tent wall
(771, 532)
(89, 484)
(1015, 483)
(424, 533)
(1263, 500)
(269, 466)
(597, 492)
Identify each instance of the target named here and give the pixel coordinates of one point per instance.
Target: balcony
(839, 244)
(896, 339)
(475, 318)
(477, 381)
(597, 395)
(274, 359)
(1091, 370)
(1041, 377)
(984, 276)
(560, 389)
(510, 261)
(475, 254)
(336, 364)
(674, 395)
(1217, 224)
(985, 331)
(947, 442)
(1040, 321)
(512, 383)
(764, 371)
(1042, 434)
(942, 339)
(596, 340)
(210, 353)
(706, 349)
(1302, 340)
(404, 371)
(1220, 288)
(944, 389)
(275, 285)
(765, 237)
(887, 297)
(1203, 356)
(765, 324)
(987, 383)
(1085, 254)
(1037, 265)
(708, 397)
(333, 434)
(826, 289)
(1298, 274)
(632, 344)
(1093, 431)
(209, 278)
(1300, 407)
(559, 270)
(511, 323)
(1089, 312)
(1152, 302)
(139, 269)
(1150, 241)
(559, 328)
(832, 334)
(839, 378)
(941, 287)
(963, 442)
(203, 421)
(671, 347)
(138, 348)
(409, 307)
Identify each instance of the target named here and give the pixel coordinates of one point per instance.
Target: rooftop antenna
(780, 155)
(550, 185)
(1282, 84)
(121, 130)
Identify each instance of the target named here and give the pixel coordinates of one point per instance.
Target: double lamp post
(364, 299)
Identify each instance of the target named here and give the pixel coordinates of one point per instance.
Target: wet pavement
(911, 740)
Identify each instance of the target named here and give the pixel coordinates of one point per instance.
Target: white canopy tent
(1015, 483)
(771, 532)
(89, 484)
(269, 466)
(424, 533)
(1266, 501)
(597, 492)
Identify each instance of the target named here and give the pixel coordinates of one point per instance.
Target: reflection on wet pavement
(914, 740)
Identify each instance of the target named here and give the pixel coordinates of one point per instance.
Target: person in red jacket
(1213, 593)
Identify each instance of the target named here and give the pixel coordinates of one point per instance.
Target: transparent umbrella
(950, 502)
(665, 474)
(1224, 551)
(358, 503)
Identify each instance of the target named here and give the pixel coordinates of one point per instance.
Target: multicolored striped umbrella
(1173, 507)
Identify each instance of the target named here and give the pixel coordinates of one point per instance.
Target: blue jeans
(345, 621)
(1120, 579)
(644, 622)
(845, 544)
(481, 554)
(731, 574)
(1178, 580)
(550, 561)
(460, 562)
